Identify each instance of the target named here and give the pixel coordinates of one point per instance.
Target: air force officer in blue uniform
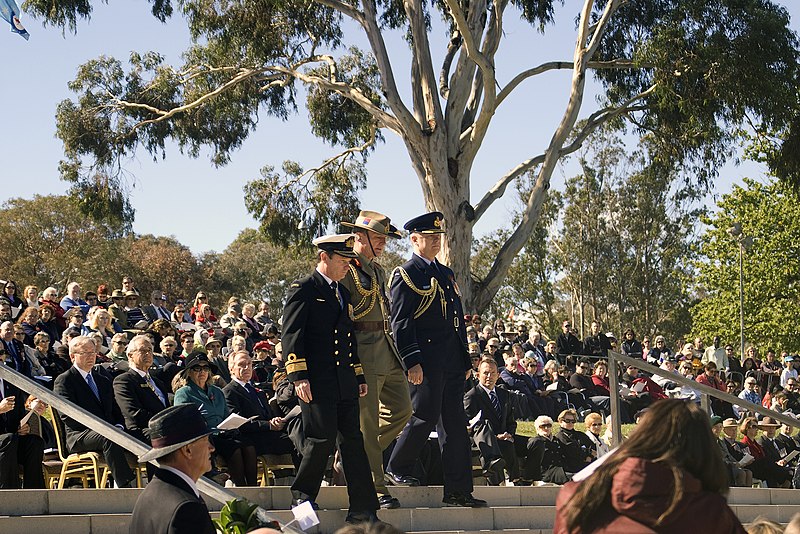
(428, 326)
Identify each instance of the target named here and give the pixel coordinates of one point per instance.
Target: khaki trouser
(386, 408)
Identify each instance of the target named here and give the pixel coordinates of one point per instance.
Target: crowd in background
(563, 380)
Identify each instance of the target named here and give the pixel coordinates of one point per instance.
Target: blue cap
(429, 223)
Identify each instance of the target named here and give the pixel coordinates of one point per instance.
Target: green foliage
(531, 285)
(712, 62)
(48, 241)
(255, 269)
(770, 214)
(239, 516)
(626, 244)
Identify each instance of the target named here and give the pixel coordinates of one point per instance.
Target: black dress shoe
(388, 502)
(400, 480)
(355, 518)
(465, 500)
(298, 502)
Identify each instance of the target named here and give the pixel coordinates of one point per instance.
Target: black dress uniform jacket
(137, 402)
(169, 506)
(307, 343)
(320, 347)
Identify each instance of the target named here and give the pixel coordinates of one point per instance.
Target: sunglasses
(569, 421)
(596, 424)
(201, 369)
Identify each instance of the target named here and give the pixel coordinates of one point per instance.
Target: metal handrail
(640, 364)
(32, 387)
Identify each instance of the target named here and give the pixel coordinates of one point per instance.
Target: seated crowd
(125, 362)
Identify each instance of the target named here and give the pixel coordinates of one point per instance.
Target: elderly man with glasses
(93, 392)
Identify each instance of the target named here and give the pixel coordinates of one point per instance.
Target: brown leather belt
(370, 326)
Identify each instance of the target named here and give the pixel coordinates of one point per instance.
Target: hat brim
(343, 253)
(154, 454)
(392, 232)
(436, 231)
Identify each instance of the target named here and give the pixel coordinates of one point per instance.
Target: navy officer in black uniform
(322, 363)
(429, 330)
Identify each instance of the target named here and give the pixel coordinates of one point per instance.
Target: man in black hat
(429, 329)
(386, 408)
(322, 363)
(171, 502)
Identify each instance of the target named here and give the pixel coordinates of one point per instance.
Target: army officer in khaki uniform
(387, 406)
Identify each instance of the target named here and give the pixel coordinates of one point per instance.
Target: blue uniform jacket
(427, 317)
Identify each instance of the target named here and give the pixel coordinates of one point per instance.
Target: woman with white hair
(548, 454)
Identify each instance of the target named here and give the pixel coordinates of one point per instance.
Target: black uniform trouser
(438, 403)
(27, 451)
(325, 425)
(115, 456)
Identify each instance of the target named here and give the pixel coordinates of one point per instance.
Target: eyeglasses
(596, 424)
(569, 421)
(123, 343)
(201, 369)
(545, 425)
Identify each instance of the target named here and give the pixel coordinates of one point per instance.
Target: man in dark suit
(322, 363)
(93, 392)
(429, 329)
(171, 503)
(494, 431)
(15, 350)
(242, 397)
(156, 309)
(18, 447)
(139, 395)
(568, 345)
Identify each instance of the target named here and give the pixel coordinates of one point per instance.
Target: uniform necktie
(335, 288)
(92, 385)
(495, 402)
(254, 394)
(153, 387)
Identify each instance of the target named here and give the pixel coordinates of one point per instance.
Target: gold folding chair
(269, 463)
(83, 465)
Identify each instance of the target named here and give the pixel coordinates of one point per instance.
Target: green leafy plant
(239, 516)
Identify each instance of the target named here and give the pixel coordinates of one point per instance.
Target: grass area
(525, 428)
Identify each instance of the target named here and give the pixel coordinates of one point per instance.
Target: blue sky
(203, 206)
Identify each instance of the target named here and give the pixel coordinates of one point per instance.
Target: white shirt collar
(426, 260)
(141, 373)
(81, 371)
(186, 478)
(243, 384)
(329, 280)
(487, 390)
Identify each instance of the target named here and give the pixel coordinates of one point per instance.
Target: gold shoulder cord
(370, 295)
(428, 295)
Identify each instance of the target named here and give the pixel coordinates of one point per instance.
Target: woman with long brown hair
(668, 476)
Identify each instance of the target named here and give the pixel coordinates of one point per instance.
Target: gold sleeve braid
(369, 296)
(428, 295)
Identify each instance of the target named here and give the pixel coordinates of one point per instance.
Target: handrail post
(613, 382)
(704, 403)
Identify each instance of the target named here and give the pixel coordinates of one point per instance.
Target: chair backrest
(60, 432)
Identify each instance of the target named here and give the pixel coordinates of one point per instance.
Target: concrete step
(513, 509)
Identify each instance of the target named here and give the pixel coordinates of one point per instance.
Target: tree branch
(243, 75)
(452, 47)
(409, 126)
(562, 65)
(487, 73)
(591, 124)
(421, 56)
(345, 9)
